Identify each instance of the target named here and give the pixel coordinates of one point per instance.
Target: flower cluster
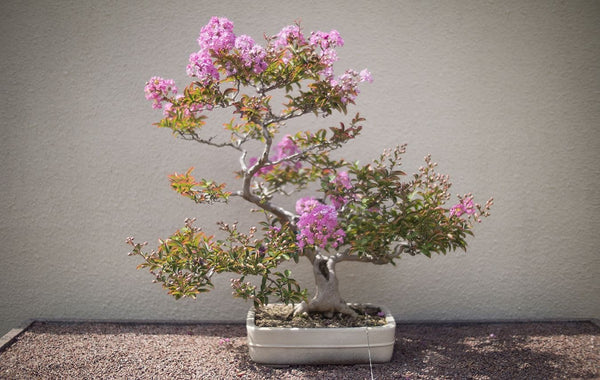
(318, 224)
(342, 179)
(465, 206)
(202, 67)
(285, 148)
(327, 42)
(158, 90)
(217, 35)
(289, 35)
(342, 184)
(252, 55)
(217, 39)
(304, 205)
(222, 55)
(347, 84)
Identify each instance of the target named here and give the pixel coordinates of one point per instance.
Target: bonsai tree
(370, 213)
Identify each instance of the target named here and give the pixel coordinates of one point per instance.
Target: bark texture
(327, 299)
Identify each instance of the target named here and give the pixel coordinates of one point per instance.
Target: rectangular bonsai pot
(329, 345)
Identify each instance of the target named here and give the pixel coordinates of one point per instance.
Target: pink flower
(289, 35)
(326, 40)
(159, 90)
(167, 109)
(244, 43)
(318, 226)
(202, 67)
(365, 76)
(265, 169)
(252, 55)
(347, 85)
(465, 206)
(285, 148)
(342, 179)
(342, 183)
(304, 205)
(328, 58)
(257, 55)
(217, 35)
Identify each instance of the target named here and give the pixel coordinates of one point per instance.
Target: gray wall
(505, 95)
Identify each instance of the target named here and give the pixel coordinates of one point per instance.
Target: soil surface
(282, 316)
(558, 350)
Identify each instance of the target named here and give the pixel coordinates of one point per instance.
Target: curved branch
(294, 156)
(243, 161)
(190, 136)
(282, 214)
(402, 247)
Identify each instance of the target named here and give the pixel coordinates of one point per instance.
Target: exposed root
(279, 315)
(326, 308)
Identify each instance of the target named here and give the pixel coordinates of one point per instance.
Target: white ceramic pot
(329, 345)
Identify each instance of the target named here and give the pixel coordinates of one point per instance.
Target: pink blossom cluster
(465, 206)
(289, 35)
(217, 35)
(159, 90)
(346, 85)
(318, 225)
(201, 66)
(342, 179)
(264, 170)
(342, 182)
(162, 92)
(285, 148)
(253, 55)
(218, 43)
(217, 38)
(326, 40)
(304, 205)
(189, 110)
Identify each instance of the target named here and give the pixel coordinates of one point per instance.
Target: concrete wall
(505, 95)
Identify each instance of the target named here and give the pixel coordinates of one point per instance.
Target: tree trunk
(327, 299)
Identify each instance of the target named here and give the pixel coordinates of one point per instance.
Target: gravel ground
(561, 350)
